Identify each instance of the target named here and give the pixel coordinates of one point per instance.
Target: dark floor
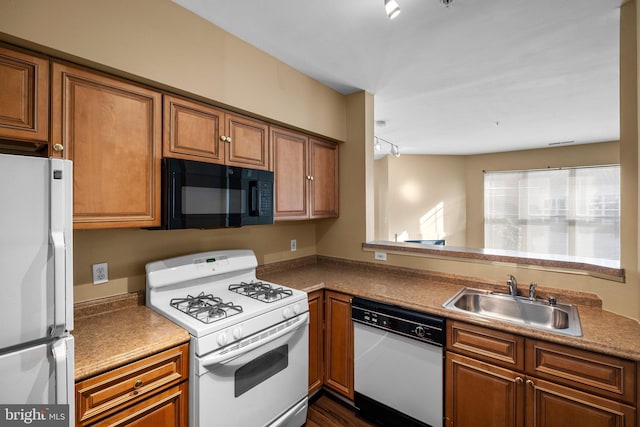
(328, 411)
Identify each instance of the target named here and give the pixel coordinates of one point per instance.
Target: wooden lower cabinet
(479, 394)
(338, 344)
(168, 408)
(316, 338)
(147, 393)
(552, 405)
(482, 389)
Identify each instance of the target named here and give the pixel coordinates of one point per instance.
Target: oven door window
(260, 369)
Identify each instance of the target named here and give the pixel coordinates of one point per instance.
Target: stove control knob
(296, 309)
(287, 313)
(222, 339)
(237, 333)
(420, 331)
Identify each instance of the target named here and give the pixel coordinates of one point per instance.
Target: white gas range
(249, 338)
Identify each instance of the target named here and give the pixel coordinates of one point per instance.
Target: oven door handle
(220, 358)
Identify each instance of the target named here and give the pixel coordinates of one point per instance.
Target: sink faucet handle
(532, 291)
(512, 283)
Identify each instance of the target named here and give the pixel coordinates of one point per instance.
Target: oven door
(260, 383)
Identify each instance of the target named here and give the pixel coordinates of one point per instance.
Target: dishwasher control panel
(400, 320)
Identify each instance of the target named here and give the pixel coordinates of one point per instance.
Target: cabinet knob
(223, 138)
(137, 384)
(531, 384)
(228, 139)
(58, 147)
(519, 380)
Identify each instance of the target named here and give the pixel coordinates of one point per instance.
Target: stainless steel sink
(560, 318)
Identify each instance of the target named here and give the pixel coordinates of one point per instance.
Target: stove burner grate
(261, 291)
(205, 308)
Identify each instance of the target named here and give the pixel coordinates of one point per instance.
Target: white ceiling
(475, 77)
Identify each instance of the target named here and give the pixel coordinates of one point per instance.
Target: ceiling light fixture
(393, 149)
(392, 8)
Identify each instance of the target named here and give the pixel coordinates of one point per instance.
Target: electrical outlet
(100, 273)
(380, 256)
(294, 245)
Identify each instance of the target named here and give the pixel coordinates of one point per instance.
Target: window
(574, 212)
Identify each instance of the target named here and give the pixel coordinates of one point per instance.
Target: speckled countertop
(603, 331)
(115, 331)
(119, 330)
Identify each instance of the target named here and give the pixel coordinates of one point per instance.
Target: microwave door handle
(254, 196)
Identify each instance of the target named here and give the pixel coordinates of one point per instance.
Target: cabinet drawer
(112, 391)
(486, 344)
(167, 408)
(596, 373)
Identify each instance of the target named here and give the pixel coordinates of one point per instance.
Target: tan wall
(580, 155)
(165, 43)
(157, 41)
(128, 250)
(343, 236)
(426, 198)
(381, 188)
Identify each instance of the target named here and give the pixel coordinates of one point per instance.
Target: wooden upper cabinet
(323, 165)
(247, 142)
(200, 132)
(192, 131)
(24, 96)
(306, 176)
(111, 129)
(290, 174)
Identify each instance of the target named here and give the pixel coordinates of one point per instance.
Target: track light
(394, 149)
(392, 8)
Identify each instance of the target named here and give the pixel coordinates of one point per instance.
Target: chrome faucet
(532, 291)
(512, 283)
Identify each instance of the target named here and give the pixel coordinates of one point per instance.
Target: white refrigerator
(36, 290)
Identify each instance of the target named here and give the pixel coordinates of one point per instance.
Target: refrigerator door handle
(59, 178)
(63, 359)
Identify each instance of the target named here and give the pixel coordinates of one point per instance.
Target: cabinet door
(316, 337)
(323, 165)
(479, 394)
(111, 129)
(552, 405)
(192, 131)
(290, 174)
(247, 142)
(24, 96)
(169, 408)
(339, 343)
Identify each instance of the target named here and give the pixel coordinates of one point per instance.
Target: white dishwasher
(398, 364)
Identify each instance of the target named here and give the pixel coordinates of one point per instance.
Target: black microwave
(208, 195)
